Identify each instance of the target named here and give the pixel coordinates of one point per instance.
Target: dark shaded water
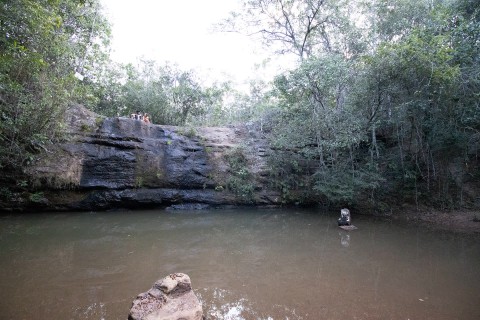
(244, 264)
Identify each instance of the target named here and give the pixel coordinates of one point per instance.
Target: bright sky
(179, 31)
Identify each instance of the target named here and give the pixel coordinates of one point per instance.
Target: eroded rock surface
(119, 162)
(170, 298)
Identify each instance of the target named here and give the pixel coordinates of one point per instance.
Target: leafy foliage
(298, 27)
(240, 181)
(43, 43)
(394, 102)
(170, 95)
(384, 93)
(418, 82)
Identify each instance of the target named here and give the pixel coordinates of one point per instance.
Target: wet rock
(170, 298)
(189, 206)
(110, 163)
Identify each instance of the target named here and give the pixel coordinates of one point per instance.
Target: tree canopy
(384, 91)
(383, 100)
(43, 44)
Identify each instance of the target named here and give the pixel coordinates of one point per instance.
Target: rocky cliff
(119, 162)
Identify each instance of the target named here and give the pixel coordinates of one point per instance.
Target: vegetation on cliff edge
(382, 105)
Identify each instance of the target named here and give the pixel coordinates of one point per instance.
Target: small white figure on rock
(345, 219)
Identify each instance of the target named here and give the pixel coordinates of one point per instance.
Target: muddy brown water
(244, 264)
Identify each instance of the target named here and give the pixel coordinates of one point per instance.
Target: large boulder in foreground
(170, 298)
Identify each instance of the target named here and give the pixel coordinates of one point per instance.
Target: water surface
(244, 264)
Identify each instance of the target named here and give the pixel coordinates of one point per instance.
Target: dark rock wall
(125, 163)
(127, 153)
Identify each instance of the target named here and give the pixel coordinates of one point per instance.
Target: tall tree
(291, 26)
(405, 110)
(42, 44)
(415, 84)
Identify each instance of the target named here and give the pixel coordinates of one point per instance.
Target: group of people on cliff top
(140, 116)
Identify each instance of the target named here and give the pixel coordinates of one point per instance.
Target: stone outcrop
(119, 162)
(170, 298)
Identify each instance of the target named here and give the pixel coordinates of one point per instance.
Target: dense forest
(383, 104)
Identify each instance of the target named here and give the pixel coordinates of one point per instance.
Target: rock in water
(170, 298)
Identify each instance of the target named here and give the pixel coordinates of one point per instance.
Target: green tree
(394, 98)
(43, 44)
(420, 90)
(170, 95)
(302, 28)
(319, 123)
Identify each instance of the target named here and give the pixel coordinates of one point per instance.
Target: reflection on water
(244, 264)
(344, 238)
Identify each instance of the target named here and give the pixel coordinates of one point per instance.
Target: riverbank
(462, 220)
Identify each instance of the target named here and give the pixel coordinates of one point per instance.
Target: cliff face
(120, 162)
